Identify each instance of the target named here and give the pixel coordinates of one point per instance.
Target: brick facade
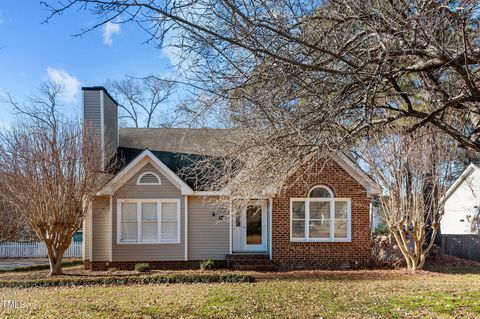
(290, 255)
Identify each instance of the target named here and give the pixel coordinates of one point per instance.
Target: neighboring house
(78, 236)
(148, 213)
(462, 203)
(379, 225)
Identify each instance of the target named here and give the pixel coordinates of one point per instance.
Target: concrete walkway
(9, 264)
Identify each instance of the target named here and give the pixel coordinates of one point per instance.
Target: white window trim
(147, 173)
(332, 238)
(139, 203)
(320, 186)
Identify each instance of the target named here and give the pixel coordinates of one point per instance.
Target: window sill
(319, 241)
(147, 242)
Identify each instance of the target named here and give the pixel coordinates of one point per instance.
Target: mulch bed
(439, 260)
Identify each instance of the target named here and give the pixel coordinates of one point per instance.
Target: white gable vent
(148, 178)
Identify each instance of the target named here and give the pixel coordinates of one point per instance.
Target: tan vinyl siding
(148, 252)
(101, 222)
(110, 119)
(86, 237)
(208, 237)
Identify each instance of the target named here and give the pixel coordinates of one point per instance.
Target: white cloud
(70, 84)
(109, 30)
(172, 54)
(169, 50)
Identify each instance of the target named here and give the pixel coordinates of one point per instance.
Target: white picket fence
(35, 250)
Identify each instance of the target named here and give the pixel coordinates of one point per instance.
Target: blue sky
(32, 52)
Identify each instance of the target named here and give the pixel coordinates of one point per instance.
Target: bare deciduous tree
(414, 171)
(15, 226)
(366, 62)
(51, 170)
(300, 77)
(140, 100)
(475, 222)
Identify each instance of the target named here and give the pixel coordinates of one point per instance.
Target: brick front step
(249, 262)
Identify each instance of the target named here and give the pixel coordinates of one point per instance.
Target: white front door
(250, 228)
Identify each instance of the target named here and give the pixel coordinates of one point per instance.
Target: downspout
(270, 211)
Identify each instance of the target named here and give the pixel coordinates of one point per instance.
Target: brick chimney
(101, 111)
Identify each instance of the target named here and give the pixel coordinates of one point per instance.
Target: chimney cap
(99, 88)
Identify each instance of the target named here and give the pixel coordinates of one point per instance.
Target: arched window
(320, 192)
(148, 178)
(320, 217)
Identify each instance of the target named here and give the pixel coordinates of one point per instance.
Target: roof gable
(137, 164)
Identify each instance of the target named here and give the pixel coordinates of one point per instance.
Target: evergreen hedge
(130, 280)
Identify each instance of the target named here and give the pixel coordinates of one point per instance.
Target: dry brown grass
(298, 294)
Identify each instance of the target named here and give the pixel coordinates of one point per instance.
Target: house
(148, 213)
(462, 203)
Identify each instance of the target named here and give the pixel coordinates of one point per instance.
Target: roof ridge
(177, 128)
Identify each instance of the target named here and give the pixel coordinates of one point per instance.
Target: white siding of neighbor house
(208, 237)
(148, 252)
(461, 204)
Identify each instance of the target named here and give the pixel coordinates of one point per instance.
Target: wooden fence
(462, 246)
(35, 250)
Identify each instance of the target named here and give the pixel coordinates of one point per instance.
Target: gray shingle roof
(177, 148)
(177, 140)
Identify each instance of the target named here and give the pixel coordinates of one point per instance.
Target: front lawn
(316, 294)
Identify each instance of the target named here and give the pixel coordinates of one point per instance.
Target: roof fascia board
(223, 192)
(357, 173)
(465, 174)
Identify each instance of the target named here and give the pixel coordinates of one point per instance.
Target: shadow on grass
(367, 274)
(337, 275)
(454, 269)
(70, 263)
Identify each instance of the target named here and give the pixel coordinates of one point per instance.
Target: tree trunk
(414, 259)
(56, 267)
(55, 257)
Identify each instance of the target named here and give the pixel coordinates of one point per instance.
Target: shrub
(130, 280)
(207, 264)
(385, 253)
(142, 267)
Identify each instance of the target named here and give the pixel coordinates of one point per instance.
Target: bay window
(148, 221)
(320, 217)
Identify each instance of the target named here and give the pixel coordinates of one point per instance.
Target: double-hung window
(320, 217)
(148, 221)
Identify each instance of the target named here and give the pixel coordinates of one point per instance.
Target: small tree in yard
(15, 226)
(50, 166)
(414, 170)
